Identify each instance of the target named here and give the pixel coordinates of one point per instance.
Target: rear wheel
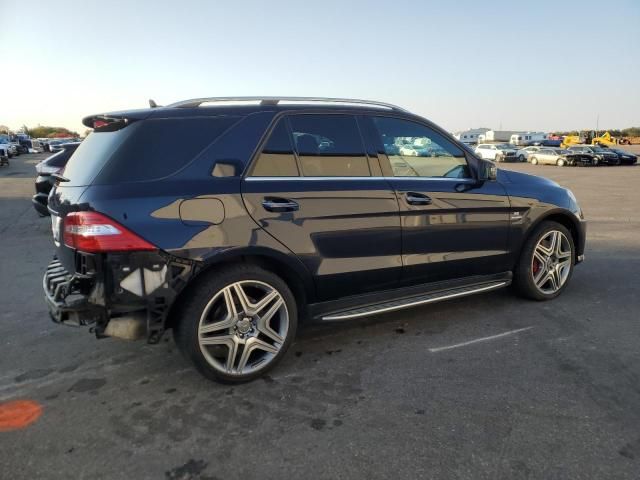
(237, 323)
(561, 162)
(546, 262)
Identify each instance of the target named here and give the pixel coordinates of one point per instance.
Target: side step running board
(414, 301)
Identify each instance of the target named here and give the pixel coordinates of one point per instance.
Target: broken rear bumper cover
(126, 295)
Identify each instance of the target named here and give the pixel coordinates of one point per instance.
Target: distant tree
(4, 129)
(631, 132)
(42, 131)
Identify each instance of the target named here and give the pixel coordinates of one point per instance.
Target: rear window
(143, 151)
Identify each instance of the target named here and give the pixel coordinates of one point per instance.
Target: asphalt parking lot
(487, 387)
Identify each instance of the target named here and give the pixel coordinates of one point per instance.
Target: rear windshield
(145, 150)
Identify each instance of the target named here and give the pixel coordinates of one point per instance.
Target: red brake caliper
(536, 266)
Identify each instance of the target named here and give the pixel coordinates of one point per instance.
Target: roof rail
(196, 102)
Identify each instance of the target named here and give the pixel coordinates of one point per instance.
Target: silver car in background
(525, 153)
(560, 157)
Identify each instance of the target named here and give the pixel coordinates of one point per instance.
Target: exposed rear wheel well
(288, 274)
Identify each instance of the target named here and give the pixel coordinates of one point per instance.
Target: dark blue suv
(229, 220)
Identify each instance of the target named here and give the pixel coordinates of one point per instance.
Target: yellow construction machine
(606, 140)
(569, 140)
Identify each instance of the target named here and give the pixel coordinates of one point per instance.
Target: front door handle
(414, 198)
(274, 204)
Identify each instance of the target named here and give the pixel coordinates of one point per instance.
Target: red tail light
(94, 232)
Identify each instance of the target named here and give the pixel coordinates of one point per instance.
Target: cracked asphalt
(375, 398)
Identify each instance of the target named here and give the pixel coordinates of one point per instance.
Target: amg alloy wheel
(546, 262)
(551, 262)
(243, 327)
(237, 324)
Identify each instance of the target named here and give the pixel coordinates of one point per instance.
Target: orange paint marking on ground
(18, 414)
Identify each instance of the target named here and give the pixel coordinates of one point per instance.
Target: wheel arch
(563, 217)
(290, 270)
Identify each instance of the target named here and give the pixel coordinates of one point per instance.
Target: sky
(510, 65)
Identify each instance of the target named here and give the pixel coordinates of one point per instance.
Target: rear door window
(143, 151)
(277, 158)
(329, 146)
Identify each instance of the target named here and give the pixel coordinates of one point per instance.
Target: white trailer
(470, 136)
(498, 136)
(527, 138)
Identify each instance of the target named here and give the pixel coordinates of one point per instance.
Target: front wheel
(561, 162)
(521, 158)
(498, 158)
(534, 161)
(237, 323)
(546, 262)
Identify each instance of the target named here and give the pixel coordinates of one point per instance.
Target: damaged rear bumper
(125, 295)
(65, 297)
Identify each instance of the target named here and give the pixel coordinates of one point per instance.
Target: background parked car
(4, 155)
(498, 152)
(58, 144)
(603, 155)
(24, 142)
(626, 158)
(11, 146)
(524, 153)
(52, 165)
(559, 157)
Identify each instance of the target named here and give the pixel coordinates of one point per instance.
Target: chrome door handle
(417, 198)
(272, 204)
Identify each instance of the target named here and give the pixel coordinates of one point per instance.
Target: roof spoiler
(105, 123)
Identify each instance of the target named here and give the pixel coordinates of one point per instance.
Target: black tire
(185, 330)
(521, 158)
(523, 274)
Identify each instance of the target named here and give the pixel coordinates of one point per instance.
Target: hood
(509, 176)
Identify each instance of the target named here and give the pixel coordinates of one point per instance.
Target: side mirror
(487, 171)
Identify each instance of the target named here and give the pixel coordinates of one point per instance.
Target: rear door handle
(273, 204)
(414, 198)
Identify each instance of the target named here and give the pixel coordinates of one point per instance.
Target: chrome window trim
(457, 180)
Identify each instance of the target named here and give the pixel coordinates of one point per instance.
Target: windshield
(504, 146)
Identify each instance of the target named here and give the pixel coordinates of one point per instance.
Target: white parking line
(478, 340)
